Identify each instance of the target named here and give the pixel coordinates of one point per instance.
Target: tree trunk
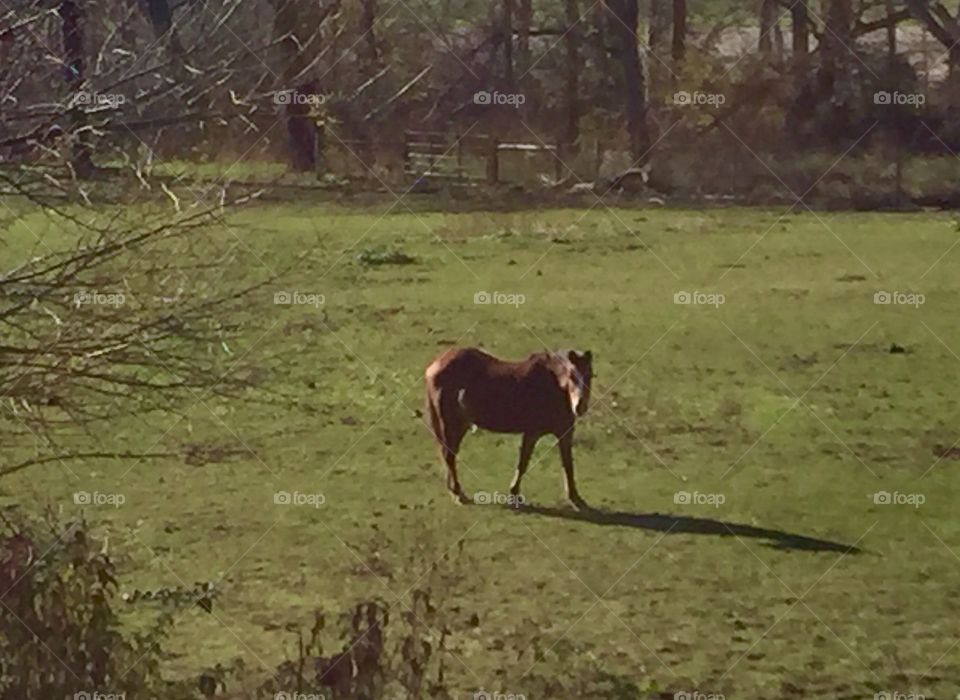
(367, 149)
(891, 73)
(625, 16)
(768, 17)
(572, 40)
(834, 80)
(946, 29)
(657, 33)
(368, 21)
(891, 37)
(800, 19)
(301, 135)
(679, 45)
(524, 19)
(78, 136)
(508, 43)
(837, 44)
(161, 19)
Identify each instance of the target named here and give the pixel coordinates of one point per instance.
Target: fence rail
(438, 155)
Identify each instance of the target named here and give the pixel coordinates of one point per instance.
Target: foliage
(60, 631)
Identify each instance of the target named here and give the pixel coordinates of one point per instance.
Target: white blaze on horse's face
(578, 383)
(578, 391)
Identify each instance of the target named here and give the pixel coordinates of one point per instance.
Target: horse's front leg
(526, 451)
(566, 457)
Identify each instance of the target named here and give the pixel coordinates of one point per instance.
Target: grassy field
(776, 405)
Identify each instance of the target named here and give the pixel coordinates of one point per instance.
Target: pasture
(732, 450)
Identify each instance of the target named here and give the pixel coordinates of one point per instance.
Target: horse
(544, 394)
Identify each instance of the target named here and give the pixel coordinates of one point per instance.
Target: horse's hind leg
(526, 451)
(454, 428)
(454, 436)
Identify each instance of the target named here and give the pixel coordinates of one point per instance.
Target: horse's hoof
(461, 498)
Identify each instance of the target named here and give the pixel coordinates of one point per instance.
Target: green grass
(687, 398)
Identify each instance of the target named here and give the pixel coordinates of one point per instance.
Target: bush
(60, 635)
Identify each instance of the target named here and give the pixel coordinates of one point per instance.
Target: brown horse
(544, 394)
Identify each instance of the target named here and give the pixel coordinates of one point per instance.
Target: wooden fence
(441, 156)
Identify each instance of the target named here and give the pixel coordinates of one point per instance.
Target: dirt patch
(198, 454)
(947, 451)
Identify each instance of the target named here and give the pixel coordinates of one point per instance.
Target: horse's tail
(433, 393)
(436, 424)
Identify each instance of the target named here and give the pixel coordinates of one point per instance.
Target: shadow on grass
(680, 524)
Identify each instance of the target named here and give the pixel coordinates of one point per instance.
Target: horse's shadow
(681, 524)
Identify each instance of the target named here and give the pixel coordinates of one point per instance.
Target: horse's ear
(588, 356)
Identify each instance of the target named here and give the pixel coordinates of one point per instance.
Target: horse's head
(579, 375)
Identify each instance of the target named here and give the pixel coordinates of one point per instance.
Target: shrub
(60, 635)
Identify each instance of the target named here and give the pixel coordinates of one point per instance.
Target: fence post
(320, 165)
(493, 161)
(597, 158)
(459, 156)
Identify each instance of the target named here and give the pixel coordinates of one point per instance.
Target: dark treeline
(708, 93)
